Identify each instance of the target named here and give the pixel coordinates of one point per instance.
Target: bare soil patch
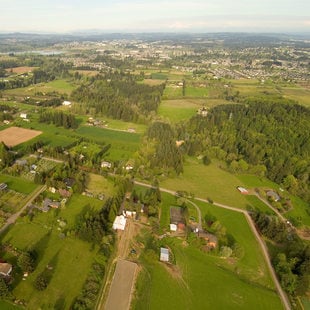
(15, 135)
(21, 70)
(122, 285)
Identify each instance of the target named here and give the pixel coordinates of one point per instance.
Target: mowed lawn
(98, 184)
(208, 181)
(18, 184)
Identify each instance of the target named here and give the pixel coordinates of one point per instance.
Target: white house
(164, 255)
(66, 103)
(173, 227)
(23, 115)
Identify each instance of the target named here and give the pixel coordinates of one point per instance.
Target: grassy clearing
(60, 86)
(124, 144)
(173, 92)
(208, 181)
(301, 95)
(18, 184)
(199, 92)
(98, 184)
(7, 306)
(181, 109)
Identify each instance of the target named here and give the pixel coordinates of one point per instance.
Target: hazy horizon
(69, 16)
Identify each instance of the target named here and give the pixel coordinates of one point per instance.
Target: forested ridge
(273, 137)
(117, 95)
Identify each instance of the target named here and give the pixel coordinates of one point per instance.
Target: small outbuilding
(164, 255)
(5, 269)
(119, 222)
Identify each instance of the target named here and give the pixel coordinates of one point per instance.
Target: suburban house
(66, 103)
(164, 255)
(23, 115)
(48, 203)
(5, 269)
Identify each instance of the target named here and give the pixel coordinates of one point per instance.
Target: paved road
(12, 219)
(262, 244)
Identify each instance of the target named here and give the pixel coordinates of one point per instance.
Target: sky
(66, 16)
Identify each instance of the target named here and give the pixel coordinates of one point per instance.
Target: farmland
(14, 135)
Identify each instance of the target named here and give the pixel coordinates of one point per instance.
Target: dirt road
(12, 219)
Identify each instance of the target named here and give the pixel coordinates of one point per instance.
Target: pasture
(13, 136)
(208, 181)
(42, 89)
(179, 109)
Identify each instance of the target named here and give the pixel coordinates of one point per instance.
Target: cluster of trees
(58, 118)
(292, 256)
(167, 155)
(117, 95)
(6, 157)
(88, 296)
(271, 139)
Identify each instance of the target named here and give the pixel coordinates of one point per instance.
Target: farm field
(115, 124)
(21, 70)
(124, 144)
(13, 136)
(180, 109)
(61, 86)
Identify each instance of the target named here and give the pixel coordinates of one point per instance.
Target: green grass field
(98, 184)
(70, 257)
(208, 181)
(60, 86)
(179, 109)
(124, 144)
(18, 184)
(7, 306)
